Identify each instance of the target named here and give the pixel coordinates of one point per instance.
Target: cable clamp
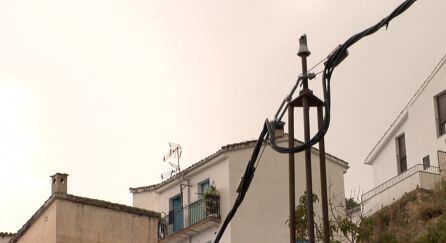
(311, 76)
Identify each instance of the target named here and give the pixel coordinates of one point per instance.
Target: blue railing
(192, 214)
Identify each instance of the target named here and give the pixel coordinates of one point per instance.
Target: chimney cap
(59, 174)
(59, 183)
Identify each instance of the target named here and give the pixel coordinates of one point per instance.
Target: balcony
(416, 176)
(179, 224)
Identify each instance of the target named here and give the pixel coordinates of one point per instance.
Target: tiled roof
(223, 149)
(84, 201)
(6, 234)
(402, 115)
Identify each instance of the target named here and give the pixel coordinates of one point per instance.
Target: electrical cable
(318, 73)
(333, 60)
(261, 153)
(244, 184)
(317, 64)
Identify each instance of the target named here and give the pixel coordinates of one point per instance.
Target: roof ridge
(82, 200)
(406, 107)
(224, 148)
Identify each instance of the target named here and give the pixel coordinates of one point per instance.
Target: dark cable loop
(332, 61)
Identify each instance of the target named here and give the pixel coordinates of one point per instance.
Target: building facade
(5, 237)
(187, 217)
(411, 153)
(66, 218)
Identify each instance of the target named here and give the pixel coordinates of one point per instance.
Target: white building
(263, 215)
(413, 148)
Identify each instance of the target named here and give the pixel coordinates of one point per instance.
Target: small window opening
(426, 162)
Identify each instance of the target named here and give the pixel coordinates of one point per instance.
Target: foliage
(210, 197)
(435, 233)
(387, 238)
(353, 230)
(301, 216)
(351, 203)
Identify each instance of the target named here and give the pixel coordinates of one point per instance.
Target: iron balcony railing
(192, 214)
(397, 179)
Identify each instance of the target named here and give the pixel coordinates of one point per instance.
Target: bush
(387, 238)
(435, 233)
(429, 211)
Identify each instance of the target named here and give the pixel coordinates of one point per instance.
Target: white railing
(397, 179)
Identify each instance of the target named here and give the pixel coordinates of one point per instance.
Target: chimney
(278, 129)
(59, 183)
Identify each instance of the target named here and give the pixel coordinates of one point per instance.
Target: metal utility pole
(304, 53)
(291, 175)
(307, 99)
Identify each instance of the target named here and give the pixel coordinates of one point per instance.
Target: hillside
(419, 216)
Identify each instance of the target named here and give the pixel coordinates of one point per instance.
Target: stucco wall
(44, 228)
(420, 128)
(423, 124)
(217, 173)
(263, 215)
(5, 239)
(82, 223)
(147, 200)
(420, 179)
(385, 165)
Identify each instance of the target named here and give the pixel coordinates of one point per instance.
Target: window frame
(428, 164)
(200, 184)
(440, 133)
(398, 154)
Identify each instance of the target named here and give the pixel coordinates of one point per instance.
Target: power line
(317, 64)
(333, 60)
(260, 156)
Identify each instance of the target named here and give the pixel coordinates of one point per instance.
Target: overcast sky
(97, 88)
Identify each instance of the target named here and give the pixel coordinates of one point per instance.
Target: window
(401, 153)
(426, 162)
(441, 113)
(203, 187)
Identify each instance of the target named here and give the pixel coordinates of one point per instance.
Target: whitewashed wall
(262, 216)
(421, 179)
(422, 122)
(420, 129)
(217, 173)
(385, 165)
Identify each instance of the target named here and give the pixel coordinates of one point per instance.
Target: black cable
(317, 64)
(261, 153)
(246, 181)
(334, 59)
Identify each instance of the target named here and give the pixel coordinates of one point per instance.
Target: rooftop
(6, 234)
(84, 201)
(402, 115)
(224, 149)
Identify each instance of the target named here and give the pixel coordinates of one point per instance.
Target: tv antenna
(173, 153)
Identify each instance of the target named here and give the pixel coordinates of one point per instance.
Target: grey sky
(98, 88)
